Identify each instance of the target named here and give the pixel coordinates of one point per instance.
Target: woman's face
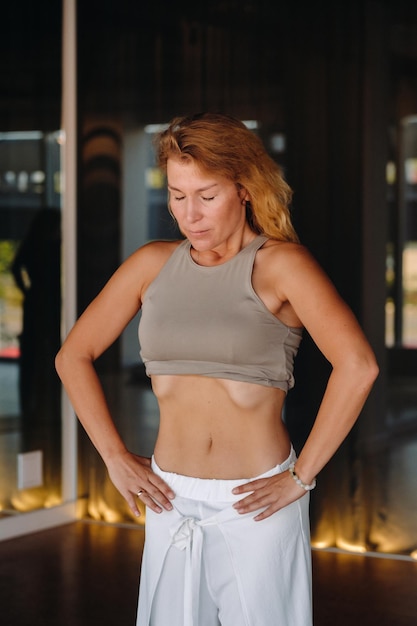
(209, 208)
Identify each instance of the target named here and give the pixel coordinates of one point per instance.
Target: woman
(227, 533)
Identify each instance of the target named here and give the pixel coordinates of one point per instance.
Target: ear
(243, 194)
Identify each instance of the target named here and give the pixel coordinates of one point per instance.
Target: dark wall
(168, 58)
(30, 65)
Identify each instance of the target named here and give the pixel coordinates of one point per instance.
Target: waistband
(213, 489)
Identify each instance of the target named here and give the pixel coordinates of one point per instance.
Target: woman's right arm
(98, 327)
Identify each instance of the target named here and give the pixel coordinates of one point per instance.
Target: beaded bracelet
(298, 480)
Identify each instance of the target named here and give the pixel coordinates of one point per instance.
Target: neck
(225, 252)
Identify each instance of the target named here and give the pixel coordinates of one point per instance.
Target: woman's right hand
(133, 477)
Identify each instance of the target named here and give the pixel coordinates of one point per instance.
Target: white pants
(204, 564)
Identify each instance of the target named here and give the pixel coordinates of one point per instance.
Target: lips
(198, 233)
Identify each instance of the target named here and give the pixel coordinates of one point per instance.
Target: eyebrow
(198, 190)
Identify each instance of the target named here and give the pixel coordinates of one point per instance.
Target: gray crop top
(210, 321)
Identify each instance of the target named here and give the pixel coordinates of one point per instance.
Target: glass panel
(409, 264)
(390, 269)
(31, 112)
(393, 529)
(30, 307)
(401, 265)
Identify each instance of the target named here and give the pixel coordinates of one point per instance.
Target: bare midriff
(217, 428)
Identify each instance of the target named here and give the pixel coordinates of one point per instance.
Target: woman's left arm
(337, 334)
(313, 299)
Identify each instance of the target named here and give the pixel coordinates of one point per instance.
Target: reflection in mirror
(30, 305)
(401, 264)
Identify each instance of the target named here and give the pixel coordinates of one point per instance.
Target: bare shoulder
(294, 272)
(151, 257)
(283, 256)
(156, 252)
(137, 272)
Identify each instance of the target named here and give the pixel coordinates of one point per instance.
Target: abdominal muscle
(217, 428)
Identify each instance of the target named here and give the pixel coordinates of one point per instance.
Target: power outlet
(29, 470)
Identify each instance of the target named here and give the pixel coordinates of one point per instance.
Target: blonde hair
(222, 144)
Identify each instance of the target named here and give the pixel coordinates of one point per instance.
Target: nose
(192, 210)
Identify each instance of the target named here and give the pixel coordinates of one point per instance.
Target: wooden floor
(86, 574)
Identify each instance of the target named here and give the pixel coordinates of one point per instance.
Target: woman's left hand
(271, 494)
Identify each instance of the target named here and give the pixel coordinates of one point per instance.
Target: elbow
(59, 363)
(64, 362)
(69, 359)
(372, 372)
(361, 369)
(367, 370)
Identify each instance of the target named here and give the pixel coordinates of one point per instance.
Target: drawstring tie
(188, 535)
